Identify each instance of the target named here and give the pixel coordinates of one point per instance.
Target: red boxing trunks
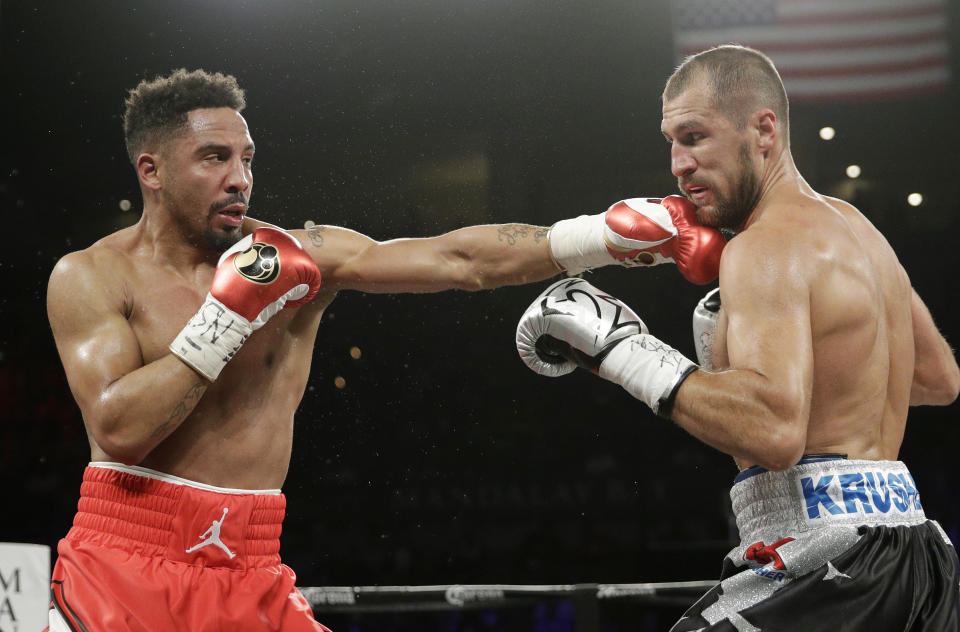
(149, 551)
(832, 544)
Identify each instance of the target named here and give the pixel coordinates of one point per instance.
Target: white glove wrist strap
(648, 369)
(211, 338)
(577, 244)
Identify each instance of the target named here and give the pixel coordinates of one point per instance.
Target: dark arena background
(425, 453)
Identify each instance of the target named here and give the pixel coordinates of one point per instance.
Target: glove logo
(260, 264)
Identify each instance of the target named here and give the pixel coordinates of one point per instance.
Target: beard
(221, 240)
(731, 212)
(199, 231)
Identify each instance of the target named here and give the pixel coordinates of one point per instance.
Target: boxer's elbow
(950, 388)
(784, 450)
(949, 385)
(466, 272)
(473, 275)
(119, 439)
(122, 448)
(785, 436)
(473, 268)
(935, 386)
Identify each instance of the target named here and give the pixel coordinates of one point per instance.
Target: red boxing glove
(264, 272)
(640, 232)
(257, 277)
(651, 231)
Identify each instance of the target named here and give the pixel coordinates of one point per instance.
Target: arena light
(355, 353)
(309, 224)
(827, 133)
(853, 171)
(915, 199)
(125, 205)
(339, 382)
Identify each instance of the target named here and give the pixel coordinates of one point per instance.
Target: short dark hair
(742, 79)
(157, 109)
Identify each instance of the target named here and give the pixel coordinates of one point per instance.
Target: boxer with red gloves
(190, 426)
(258, 276)
(640, 232)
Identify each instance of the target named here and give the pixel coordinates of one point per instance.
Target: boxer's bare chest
(252, 401)
(159, 302)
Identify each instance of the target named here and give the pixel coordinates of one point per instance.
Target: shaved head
(741, 81)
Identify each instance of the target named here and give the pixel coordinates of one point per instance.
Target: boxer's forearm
(142, 408)
(473, 258)
(484, 257)
(742, 414)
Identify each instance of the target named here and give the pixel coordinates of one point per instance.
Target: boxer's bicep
(766, 302)
(94, 339)
(350, 260)
(346, 258)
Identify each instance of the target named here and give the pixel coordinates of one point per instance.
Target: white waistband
(822, 493)
(175, 480)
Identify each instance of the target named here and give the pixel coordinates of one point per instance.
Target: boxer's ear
(148, 172)
(768, 129)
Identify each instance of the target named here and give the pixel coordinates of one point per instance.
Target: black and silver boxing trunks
(832, 544)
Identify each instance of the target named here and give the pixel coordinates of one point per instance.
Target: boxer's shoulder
(782, 243)
(101, 277)
(115, 252)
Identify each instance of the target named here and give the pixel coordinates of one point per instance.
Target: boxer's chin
(704, 214)
(222, 239)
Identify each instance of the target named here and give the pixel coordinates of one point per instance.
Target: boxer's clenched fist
(574, 324)
(257, 277)
(640, 232)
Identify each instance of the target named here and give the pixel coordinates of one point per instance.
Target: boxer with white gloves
(572, 323)
(640, 232)
(814, 362)
(255, 278)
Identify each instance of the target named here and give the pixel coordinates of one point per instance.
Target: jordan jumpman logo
(212, 536)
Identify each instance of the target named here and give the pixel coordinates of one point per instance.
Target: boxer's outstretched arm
(128, 407)
(473, 258)
(936, 377)
(633, 232)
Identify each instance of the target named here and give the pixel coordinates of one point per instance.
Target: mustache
(237, 198)
(683, 184)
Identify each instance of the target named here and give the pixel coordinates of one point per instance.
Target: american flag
(829, 50)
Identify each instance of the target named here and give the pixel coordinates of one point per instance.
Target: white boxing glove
(573, 317)
(705, 317)
(574, 324)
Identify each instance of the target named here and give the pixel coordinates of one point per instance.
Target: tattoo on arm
(183, 408)
(315, 233)
(512, 233)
